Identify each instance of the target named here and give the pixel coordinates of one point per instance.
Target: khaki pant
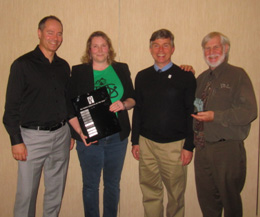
(160, 163)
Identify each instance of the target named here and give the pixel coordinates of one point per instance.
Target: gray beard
(214, 65)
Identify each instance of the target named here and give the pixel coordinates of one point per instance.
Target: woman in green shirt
(100, 69)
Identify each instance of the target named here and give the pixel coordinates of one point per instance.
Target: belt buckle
(57, 126)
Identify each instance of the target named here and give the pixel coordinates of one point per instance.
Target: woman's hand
(117, 106)
(75, 124)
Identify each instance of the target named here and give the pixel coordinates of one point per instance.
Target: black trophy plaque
(95, 119)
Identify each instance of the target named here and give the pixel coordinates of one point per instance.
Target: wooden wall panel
(130, 25)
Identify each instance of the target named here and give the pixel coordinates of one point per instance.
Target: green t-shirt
(111, 81)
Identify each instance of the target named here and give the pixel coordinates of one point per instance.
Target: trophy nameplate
(95, 119)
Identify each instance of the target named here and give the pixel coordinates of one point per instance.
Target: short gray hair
(162, 33)
(224, 40)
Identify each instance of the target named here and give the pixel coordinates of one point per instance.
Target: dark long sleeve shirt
(36, 93)
(233, 101)
(164, 104)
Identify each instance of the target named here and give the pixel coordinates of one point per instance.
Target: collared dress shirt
(233, 101)
(36, 93)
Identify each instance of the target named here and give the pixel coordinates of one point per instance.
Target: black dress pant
(220, 171)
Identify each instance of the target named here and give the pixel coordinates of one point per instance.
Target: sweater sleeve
(136, 120)
(189, 100)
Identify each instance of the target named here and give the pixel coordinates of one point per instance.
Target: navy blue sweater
(164, 104)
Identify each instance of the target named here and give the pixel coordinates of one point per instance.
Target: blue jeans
(109, 155)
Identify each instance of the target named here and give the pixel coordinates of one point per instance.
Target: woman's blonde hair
(87, 58)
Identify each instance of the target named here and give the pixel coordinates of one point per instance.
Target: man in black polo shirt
(35, 118)
(162, 134)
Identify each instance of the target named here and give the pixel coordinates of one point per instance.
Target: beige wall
(130, 23)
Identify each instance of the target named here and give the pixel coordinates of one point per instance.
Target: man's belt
(46, 128)
(221, 140)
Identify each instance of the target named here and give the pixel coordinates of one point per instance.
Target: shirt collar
(169, 65)
(38, 53)
(219, 69)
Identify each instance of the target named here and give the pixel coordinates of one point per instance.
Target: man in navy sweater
(162, 134)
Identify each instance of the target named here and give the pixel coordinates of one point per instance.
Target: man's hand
(19, 152)
(136, 151)
(186, 157)
(187, 68)
(72, 143)
(207, 116)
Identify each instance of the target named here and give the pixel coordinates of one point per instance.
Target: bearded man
(226, 107)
